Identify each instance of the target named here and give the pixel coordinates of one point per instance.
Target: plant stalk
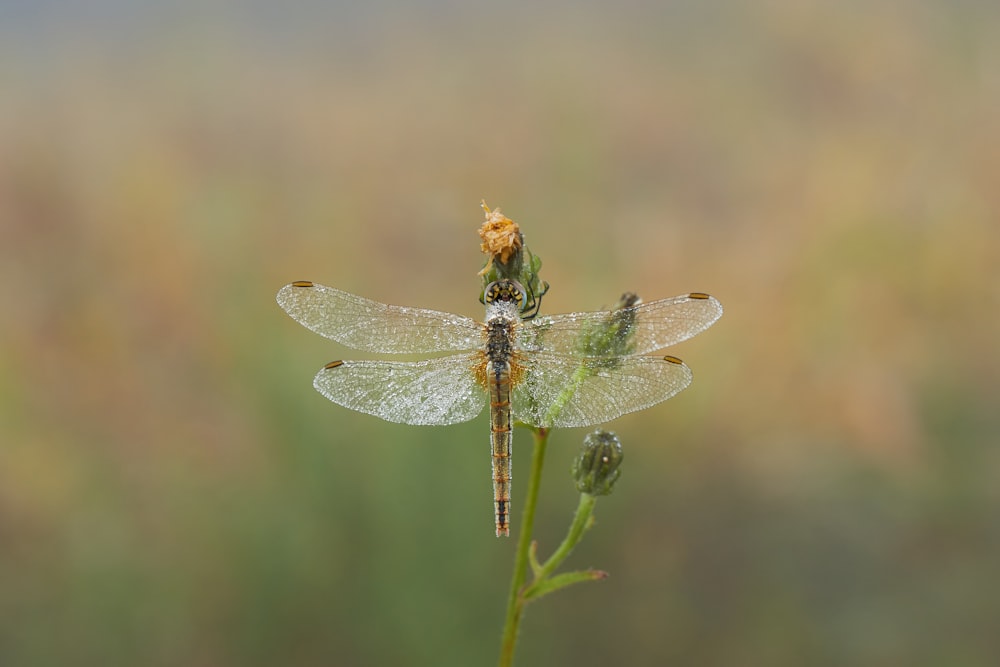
(581, 521)
(515, 601)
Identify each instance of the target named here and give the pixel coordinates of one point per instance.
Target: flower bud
(596, 468)
(611, 339)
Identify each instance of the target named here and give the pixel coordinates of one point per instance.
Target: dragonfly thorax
(502, 318)
(504, 299)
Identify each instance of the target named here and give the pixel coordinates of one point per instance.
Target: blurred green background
(173, 491)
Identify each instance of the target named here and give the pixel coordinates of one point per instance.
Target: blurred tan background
(173, 491)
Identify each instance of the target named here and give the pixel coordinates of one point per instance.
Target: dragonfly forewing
(363, 324)
(651, 326)
(432, 392)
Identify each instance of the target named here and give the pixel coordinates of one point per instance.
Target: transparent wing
(562, 391)
(363, 324)
(644, 328)
(436, 391)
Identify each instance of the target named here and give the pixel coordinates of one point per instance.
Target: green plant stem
(581, 522)
(515, 602)
(552, 584)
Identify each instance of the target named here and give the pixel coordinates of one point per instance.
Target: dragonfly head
(506, 290)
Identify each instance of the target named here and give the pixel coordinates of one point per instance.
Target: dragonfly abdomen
(500, 323)
(500, 442)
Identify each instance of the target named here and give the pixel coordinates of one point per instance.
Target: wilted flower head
(596, 468)
(501, 236)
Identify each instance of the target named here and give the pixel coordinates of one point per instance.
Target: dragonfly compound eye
(505, 290)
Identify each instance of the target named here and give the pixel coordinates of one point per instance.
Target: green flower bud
(610, 340)
(596, 468)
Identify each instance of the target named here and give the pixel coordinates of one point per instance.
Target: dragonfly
(575, 369)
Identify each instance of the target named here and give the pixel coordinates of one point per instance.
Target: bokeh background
(172, 490)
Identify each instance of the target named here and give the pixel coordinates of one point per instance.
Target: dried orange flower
(501, 236)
